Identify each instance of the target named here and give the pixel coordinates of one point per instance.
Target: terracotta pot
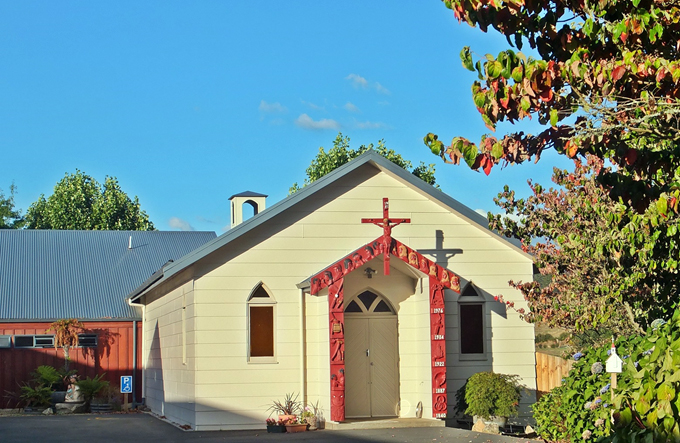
(296, 428)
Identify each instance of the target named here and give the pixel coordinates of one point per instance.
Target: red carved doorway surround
(333, 279)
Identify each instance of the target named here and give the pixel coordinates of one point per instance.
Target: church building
(368, 291)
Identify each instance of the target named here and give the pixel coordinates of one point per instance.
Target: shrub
(39, 396)
(645, 406)
(47, 376)
(488, 394)
(90, 387)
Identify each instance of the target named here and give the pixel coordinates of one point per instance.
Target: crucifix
(387, 224)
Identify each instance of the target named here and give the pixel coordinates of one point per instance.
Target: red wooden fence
(113, 355)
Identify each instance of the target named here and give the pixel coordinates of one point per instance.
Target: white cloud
(371, 125)
(306, 122)
(360, 82)
(272, 108)
(178, 223)
(381, 89)
(313, 106)
(351, 107)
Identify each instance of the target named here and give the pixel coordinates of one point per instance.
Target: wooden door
(371, 358)
(383, 363)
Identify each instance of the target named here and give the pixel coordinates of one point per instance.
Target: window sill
(262, 361)
(472, 357)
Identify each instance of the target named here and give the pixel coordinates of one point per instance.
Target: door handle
(368, 352)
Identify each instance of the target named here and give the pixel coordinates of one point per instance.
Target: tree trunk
(67, 359)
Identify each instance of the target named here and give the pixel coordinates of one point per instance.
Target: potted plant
(297, 424)
(275, 427)
(311, 416)
(490, 396)
(288, 409)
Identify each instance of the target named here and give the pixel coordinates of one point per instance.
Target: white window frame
(466, 300)
(262, 302)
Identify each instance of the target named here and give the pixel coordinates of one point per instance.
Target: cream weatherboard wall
(169, 334)
(233, 393)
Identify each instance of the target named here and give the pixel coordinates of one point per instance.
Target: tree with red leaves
(606, 88)
(606, 84)
(601, 275)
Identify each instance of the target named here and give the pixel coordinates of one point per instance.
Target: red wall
(112, 356)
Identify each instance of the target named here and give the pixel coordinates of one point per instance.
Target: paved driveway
(144, 428)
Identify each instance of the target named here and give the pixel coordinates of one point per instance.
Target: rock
(70, 408)
(48, 411)
(529, 430)
(489, 428)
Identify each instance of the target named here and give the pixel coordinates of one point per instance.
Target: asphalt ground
(145, 428)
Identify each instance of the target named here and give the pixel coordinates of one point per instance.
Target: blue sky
(188, 103)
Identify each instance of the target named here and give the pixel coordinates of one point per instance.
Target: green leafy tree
(80, 202)
(341, 153)
(10, 217)
(606, 83)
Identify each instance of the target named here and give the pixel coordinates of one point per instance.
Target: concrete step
(385, 423)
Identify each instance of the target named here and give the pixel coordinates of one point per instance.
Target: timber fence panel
(550, 370)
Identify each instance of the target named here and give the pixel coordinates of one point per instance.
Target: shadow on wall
(154, 387)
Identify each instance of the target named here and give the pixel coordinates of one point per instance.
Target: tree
(66, 337)
(341, 153)
(10, 217)
(569, 231)
(606, 84)
(80, 202)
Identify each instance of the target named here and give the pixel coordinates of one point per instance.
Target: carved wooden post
(336, 317)
(438, 347)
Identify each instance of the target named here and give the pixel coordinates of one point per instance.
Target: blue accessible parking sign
(126, 384)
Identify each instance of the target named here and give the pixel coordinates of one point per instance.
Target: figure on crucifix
(387, 224)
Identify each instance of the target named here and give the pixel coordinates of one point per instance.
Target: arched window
(261, 325)
(471, 312)
(369, 303)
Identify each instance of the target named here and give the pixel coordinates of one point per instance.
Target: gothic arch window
(471, 313)
(369, 302)
(261, 325)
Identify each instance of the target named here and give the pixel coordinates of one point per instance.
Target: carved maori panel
(336, 319)
(438, 348)
(333, 279)
(375, 248)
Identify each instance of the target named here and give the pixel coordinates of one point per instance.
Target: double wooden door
(371, 365)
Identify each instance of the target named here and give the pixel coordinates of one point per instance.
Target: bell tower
(257, 201)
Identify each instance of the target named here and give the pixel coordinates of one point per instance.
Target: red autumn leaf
(571, 148)
(618, 72)
(487, 164)
(546, 95)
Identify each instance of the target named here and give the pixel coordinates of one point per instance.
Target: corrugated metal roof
(48, 275)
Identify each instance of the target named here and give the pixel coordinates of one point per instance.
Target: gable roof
(370, 157)
(50, 275)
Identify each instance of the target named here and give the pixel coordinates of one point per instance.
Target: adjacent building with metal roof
(47, 275)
